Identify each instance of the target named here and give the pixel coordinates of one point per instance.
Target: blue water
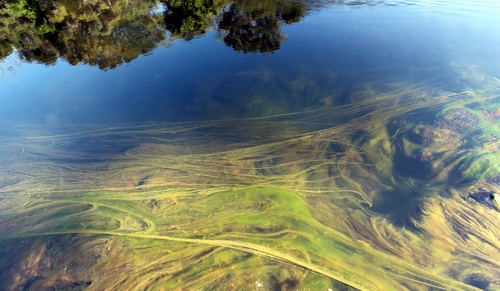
(203, 79)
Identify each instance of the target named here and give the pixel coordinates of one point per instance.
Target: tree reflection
(256, 26)
(101, 33)
(23, 28)
(187, 19)
(108, 33)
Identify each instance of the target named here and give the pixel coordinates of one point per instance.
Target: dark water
(151, 127)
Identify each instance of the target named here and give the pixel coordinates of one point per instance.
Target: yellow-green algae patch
(270, 223)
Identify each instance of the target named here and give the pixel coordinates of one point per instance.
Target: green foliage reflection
(107, 33)
(255, 26)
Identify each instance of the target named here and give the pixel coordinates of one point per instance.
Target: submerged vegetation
(382, 193)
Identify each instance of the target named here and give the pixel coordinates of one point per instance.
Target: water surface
(249, 145)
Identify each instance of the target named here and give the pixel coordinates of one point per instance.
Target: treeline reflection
(108, 33)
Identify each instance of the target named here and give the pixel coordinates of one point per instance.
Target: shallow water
(263, 145)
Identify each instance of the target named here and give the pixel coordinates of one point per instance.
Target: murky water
(249, 145)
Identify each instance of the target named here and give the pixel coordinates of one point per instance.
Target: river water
(249, 145)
